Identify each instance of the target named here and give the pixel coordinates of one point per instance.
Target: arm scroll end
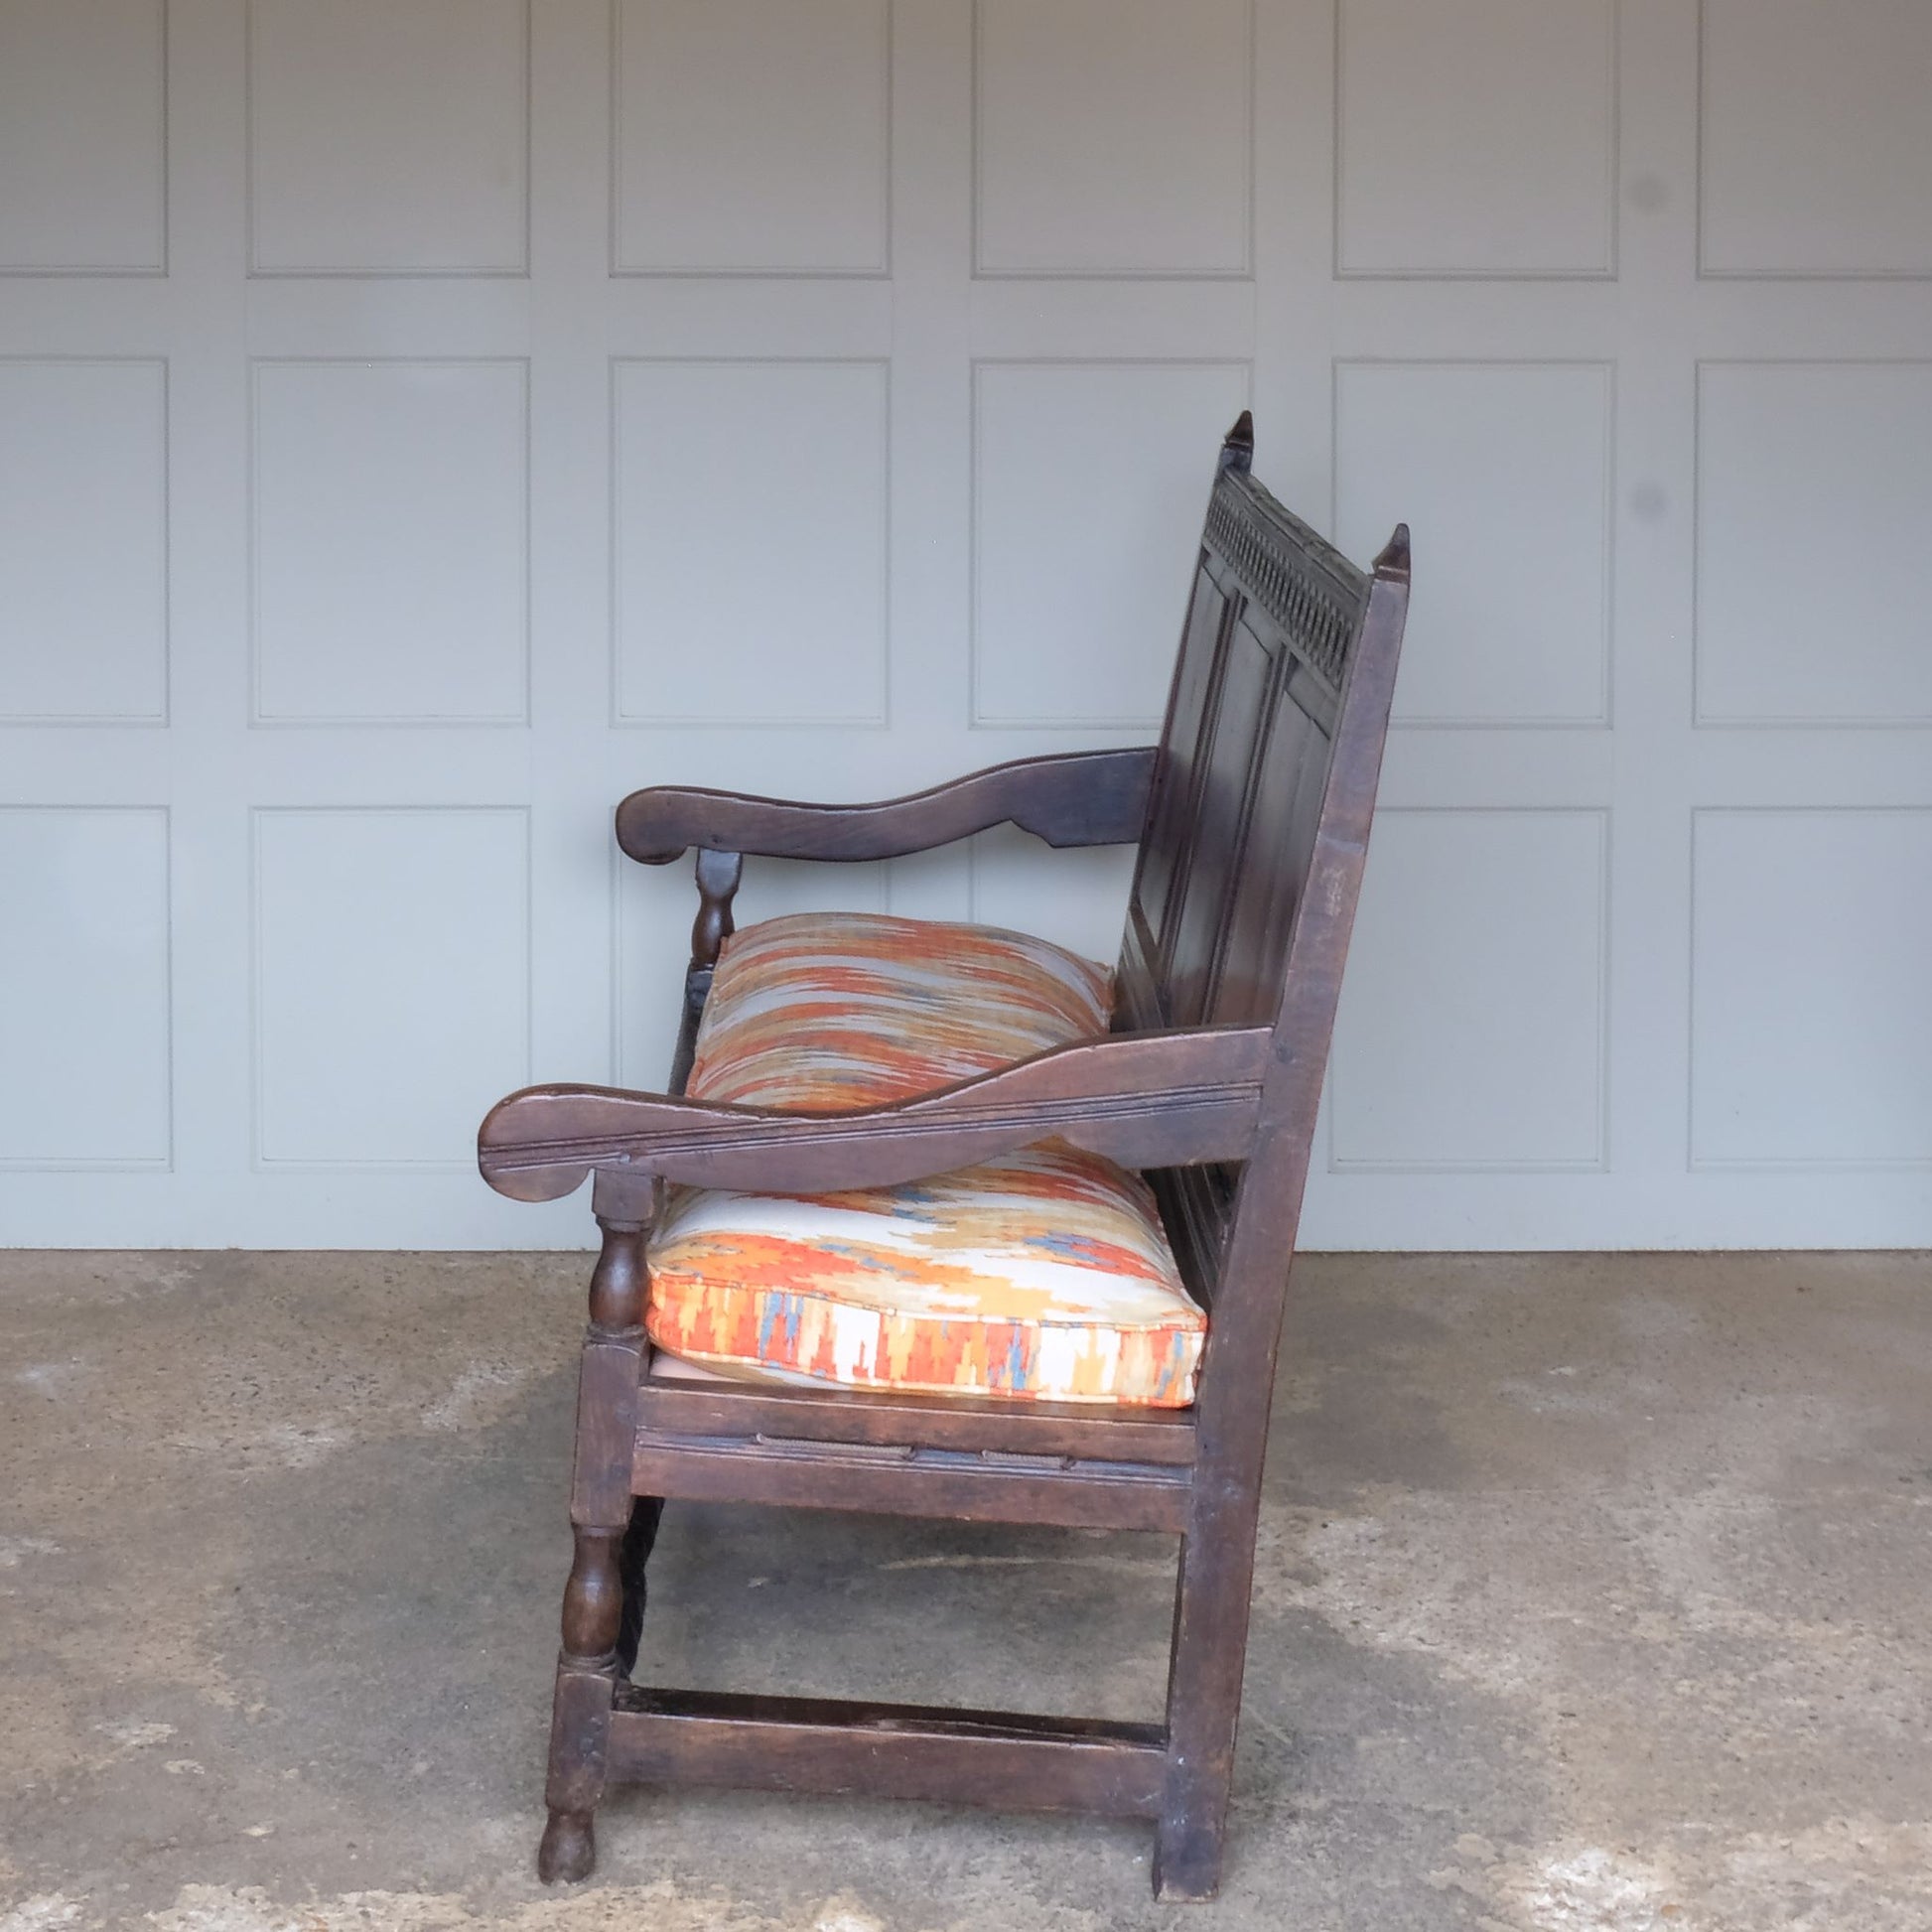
(517, 1149)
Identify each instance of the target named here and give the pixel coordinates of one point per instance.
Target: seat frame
(1211, 1082)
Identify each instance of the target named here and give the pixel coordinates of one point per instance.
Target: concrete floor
(1592, 1597)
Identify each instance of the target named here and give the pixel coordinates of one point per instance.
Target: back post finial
(1238, 445)
(1394, 560)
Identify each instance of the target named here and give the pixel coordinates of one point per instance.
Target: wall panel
(82, 137)
(83, 540)
(1088, 496)
(707, 631)
(85, 1048)
(392, 981)
(1814, 496)
(388, 137)
(1813, 157)
(1473, 1021)
(391, 566)
(1490, 460)
(423, 422)
(809, 195)
(1810, 1047)
(1112, 137)
(1477, 137)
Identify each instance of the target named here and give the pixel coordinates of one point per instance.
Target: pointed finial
(1394, 560)
(1238, 445)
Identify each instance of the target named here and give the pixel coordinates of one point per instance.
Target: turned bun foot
(569, 1848)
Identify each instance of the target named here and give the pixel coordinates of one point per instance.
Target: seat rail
(900, 1479)
(1090, 1433)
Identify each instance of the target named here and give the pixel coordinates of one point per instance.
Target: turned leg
(602, 1518)
(579, 1725)
(1211, 1638)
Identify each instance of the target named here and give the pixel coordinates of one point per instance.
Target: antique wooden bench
(1252, 817)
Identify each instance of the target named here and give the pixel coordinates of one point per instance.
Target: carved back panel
(1246, 752)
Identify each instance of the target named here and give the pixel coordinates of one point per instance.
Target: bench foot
(569, 1848)
(1186, 1865)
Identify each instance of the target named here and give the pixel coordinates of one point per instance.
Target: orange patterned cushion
(1043, 1273)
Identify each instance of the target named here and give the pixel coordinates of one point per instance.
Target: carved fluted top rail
(1290, 571)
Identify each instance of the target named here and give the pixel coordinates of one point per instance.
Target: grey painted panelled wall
(423, 421)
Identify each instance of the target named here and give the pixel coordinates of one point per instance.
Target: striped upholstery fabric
(828, 1010)
(1043, 1274)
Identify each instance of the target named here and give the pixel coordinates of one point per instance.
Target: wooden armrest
(1146, 1100)
(1074, 798)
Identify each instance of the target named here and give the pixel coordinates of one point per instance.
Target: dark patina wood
(971, 1485)
(1007, 1759)
(1252, 817)
(887, 1419)
(717, 876)
(1072, 799)
(1143, 1100)
(600, 1516)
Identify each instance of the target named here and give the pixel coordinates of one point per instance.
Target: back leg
(639, 1536)
(1211, 1641)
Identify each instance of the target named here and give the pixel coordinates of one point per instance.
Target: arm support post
(717, 877)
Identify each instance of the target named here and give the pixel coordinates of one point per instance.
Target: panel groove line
(740, 132)
(449, 1091)
(513, 262)
(92, 580)
(1054, 116)
(1441, 78)
(109, 919)
(1346, 1049)
(1856, 586)
(706, 501)
(486, 551)
(1851, 1049)
(1157, 504)
(155, 266)
(1363, 533)
(1866, 146)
